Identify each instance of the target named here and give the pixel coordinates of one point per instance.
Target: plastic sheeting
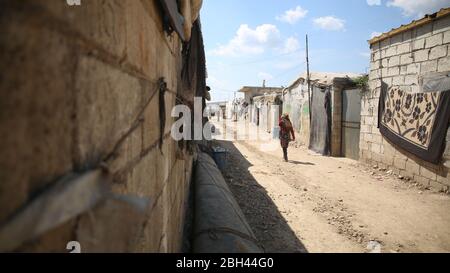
(219, 224)
(320, 139)
(435, 82)
(193, 72)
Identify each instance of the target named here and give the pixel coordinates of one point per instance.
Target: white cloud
(292, 16)
(374, 2)
(375, 34)
(364, 54)
(418, 8)
(250, 41)
(265, 76)
(330, 23)
(290, 61)
(291, 45)
(212, 80)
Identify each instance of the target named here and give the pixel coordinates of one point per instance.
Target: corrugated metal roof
(414, 24)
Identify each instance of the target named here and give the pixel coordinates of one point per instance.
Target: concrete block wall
(397, 61)
(78, 89)
(336, 121)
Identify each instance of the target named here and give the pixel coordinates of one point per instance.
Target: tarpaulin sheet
(219, 224)
(194, 66)
(320, 138)
(173, 17)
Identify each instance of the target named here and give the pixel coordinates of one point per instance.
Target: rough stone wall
(397, 61)
(79, 88)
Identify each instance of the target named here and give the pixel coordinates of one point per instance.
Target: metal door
(351, 123)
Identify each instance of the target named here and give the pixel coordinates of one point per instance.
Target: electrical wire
(284, 73)
(289, 71)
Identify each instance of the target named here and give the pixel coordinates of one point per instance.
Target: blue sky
(247, 41)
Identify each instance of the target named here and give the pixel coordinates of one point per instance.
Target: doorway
(351, 123)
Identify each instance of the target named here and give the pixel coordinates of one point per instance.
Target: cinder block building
(266, 112)
(401, 62)
(86, 93)
(335, 108)
(254, 112)
(253, 91)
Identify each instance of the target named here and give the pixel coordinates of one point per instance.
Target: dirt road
(323, 204)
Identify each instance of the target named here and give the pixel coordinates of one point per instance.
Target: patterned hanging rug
(416, 122)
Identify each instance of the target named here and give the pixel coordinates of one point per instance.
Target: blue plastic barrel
(220, 157)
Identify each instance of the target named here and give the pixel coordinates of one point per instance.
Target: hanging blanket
(416, 122)
(193, 74)
(320, 133)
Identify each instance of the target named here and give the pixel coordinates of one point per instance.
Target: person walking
(286, 130)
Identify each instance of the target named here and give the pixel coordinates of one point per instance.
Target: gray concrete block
(421, 55)
(429, 66)
(434, 40)
(444, 64)
(438, 52)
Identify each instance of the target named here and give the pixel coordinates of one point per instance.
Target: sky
(248, 41)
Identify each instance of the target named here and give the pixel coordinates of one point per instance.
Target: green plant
(361, 82)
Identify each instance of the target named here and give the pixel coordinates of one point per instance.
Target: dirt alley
(323, 204)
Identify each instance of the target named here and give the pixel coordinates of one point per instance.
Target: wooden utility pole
(235, 107)
(308, 79)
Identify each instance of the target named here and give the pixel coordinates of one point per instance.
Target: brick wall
(74, 82)
(397, 61)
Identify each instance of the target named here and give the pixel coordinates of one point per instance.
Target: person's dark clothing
(285, 154)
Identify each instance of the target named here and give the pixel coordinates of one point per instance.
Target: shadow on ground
(268, 224)
(301, 163)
